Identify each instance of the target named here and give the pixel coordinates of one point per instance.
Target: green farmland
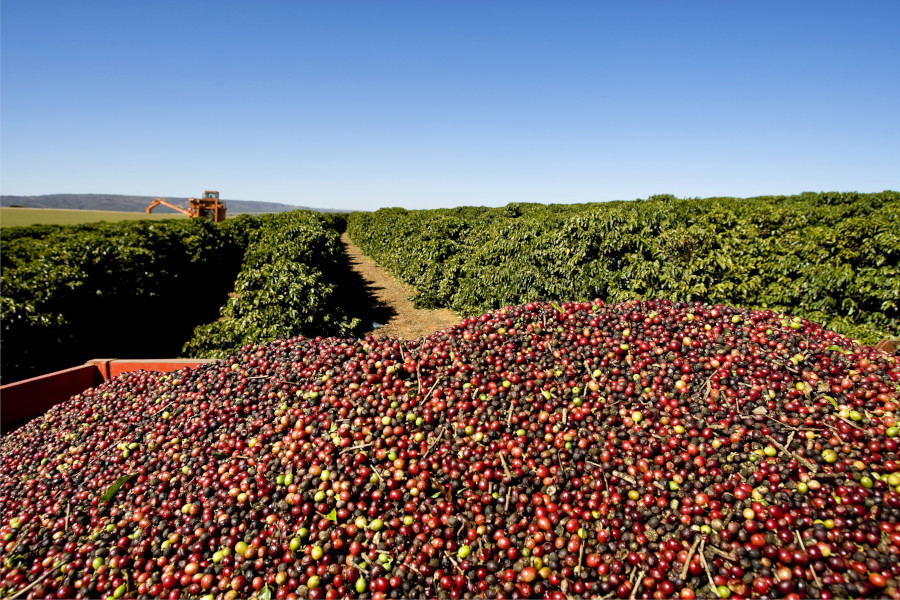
(23, 217)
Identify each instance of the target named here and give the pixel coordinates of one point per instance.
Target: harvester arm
(159, 201)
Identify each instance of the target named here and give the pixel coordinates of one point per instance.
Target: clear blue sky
(359, 105)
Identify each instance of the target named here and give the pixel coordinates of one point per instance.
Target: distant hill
(139, 203)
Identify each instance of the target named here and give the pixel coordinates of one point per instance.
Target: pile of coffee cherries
(639, 450)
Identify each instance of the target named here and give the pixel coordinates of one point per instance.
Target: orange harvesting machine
(209, 206)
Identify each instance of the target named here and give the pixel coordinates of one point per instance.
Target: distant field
(16, 217)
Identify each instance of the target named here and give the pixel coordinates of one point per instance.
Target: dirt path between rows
(402, 319)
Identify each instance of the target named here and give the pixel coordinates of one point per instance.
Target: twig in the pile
(723, 554)
(462, 523)
(780, 423)
(359, 568)
(455, 564)
(833, 431)
(799, 458)
(163, 408)
(435, 443)
(352, 448)
(811, 568)
(602, 471)
(637, 585)
(853, 425)
(728, 519)
(509, 413)
(580, 557)
(419, 378)
(68, 509)
(505, 468)
(625, 477)
(38, 580)
(687, 561)
(375, 470)
(436, 381)
(712, 583)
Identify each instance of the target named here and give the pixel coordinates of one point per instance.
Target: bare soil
(402, 319)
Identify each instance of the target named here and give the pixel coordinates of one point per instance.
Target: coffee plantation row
(139, 289)
(830, 257)
(71, 293)
(288, 285)
(75, 292)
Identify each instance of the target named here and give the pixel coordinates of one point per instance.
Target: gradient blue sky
(359, 105)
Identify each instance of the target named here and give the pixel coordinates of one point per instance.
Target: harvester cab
(208, 206)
